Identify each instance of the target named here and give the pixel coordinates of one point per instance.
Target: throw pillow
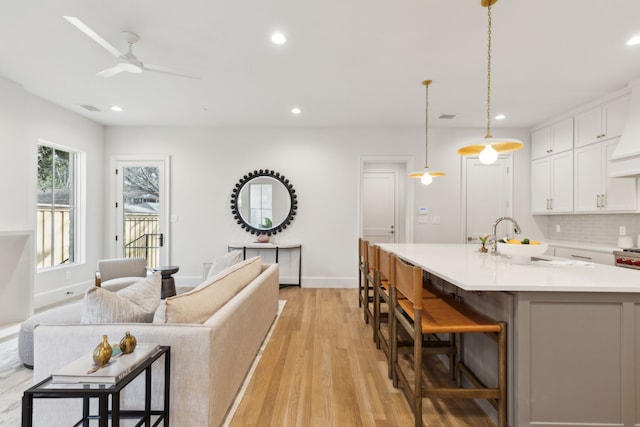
(226, 260)
(199, 304)
(136, 303)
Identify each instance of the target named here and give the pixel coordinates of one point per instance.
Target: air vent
(91, 108)
(447, 116)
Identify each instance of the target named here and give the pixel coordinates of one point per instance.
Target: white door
(140, 210)
(379, 206)
(488, 197)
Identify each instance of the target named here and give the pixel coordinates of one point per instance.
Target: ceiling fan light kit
(426, 176)
(489, 149)
(127, 62)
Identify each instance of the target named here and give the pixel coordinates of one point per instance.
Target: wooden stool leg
(457, 376)
(393, 336)
(502, 375)
(417, 369)
(376, 307)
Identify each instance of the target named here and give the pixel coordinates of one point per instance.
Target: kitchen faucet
(516, 229)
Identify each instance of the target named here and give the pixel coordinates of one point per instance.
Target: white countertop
(465, 267)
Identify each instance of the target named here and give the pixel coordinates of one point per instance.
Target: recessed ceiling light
(278, 38)
(296, 110)
(633, 41)
(116, 108)
(500, 117)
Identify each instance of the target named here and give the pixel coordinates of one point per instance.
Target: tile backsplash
(604, 229)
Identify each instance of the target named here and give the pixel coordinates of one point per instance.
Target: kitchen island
(574, 332)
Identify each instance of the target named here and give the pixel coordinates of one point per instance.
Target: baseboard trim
(65, 294)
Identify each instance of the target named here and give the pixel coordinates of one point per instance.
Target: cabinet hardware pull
(580, 256)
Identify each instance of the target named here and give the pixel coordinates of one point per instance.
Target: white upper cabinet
(601, 123)
(552, 184)
(594, 190)
(553, 139)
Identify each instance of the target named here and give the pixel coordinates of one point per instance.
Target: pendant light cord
(426, 124)
(488, 135)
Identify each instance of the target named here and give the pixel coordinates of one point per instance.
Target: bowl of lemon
(521, 251)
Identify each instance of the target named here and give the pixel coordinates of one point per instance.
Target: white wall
(24, 119)
(323, 165)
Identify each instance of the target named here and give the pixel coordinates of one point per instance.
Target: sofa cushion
(198, 305)
(223, 262)
(135, 303)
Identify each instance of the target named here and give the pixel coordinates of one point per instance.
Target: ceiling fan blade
(93, 35)
(165, 70)
(110, 71)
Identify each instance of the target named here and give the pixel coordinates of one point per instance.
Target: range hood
(625, 160)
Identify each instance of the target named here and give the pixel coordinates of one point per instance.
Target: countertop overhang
(467, 268)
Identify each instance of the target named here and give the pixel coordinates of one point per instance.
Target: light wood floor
(321, 368)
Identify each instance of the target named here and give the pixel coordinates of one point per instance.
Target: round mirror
(263, 202)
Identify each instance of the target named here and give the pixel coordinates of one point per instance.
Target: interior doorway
(384, 201)
(487, 195)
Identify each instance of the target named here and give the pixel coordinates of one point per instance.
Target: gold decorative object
(128, 343)
(102, 352)
(488, 149)
(426, 176)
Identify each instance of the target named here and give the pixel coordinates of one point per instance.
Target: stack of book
(84, 370)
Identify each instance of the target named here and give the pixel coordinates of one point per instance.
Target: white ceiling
(347, 62)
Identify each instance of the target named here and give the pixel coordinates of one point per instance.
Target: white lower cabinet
(585, 255)
(552, 184)
(596, 192)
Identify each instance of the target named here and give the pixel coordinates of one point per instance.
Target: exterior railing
(53, 248)
(142, 237)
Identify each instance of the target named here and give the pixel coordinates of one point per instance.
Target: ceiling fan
(128, 62)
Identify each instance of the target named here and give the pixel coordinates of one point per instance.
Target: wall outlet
(623, 230)
(557, 228)
(423, 219)
(67, 275)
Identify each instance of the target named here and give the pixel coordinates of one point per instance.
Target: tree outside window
(56, 220)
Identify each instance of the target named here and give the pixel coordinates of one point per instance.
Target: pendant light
(488, 149)
(426, 176)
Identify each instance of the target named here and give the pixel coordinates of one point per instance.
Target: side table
(277, 247)
(47, 389)
(168, 282)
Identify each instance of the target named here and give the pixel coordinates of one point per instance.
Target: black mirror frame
(236, 192)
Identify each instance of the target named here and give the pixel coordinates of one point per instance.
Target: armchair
(117, 273)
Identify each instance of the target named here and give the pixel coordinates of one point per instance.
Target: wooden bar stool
(419, 317)
(365, 281)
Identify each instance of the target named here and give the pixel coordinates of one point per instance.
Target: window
(57, 206)
(260, 205)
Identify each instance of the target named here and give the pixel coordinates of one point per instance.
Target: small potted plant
(483, 239)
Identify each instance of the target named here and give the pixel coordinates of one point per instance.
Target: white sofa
(209, 360)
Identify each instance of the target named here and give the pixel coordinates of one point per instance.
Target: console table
(86, 391)
(277, 247)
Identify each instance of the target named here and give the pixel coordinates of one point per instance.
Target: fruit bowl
(521, 254)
